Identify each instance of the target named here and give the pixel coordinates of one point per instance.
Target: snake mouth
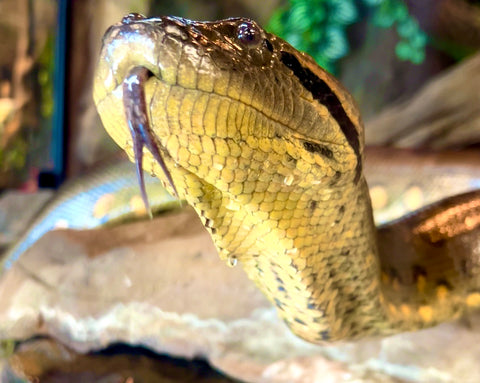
(139, 125)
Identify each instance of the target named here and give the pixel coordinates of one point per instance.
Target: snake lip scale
(268, 149)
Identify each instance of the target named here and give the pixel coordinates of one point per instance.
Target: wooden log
(445, 113)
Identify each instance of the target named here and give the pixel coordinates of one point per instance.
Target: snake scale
(268, 149)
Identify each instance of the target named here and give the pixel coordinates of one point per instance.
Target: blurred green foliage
(7, 348)
(319, 27)
(15, 157)
(46, 66)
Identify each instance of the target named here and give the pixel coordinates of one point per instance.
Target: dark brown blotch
(291, 159)
(324, 335)
(269, 45)
(418, 271)
(335, 178)
(395, 275)
(313, 147)
(442, 282)
(340, 213)
(298, 320)
(278, 303)
(463, 266)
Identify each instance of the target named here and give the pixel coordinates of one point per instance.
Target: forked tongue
(142, 135)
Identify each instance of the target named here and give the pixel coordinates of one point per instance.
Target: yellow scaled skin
(269, 169)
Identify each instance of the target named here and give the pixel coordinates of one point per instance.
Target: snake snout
(136, 41)
(124, 46)
(129, 60)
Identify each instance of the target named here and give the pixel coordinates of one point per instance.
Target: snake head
(238, 117)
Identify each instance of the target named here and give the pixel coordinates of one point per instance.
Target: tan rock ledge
(160, 284)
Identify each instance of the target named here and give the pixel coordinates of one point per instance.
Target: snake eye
(249, 34)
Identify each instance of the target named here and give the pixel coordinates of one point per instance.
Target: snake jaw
(140, 130)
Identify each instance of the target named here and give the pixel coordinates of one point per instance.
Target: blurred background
(382, 50)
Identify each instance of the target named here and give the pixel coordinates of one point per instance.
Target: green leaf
(343, 12)
(336, 45)
(373, 3)
(419, 40)
(403, 50)
(300, 17)
(408, 28)
(418, 56)
(382, 17)
(399, 10)
(318, 14)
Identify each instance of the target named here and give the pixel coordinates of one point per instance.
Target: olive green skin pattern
(268, 149)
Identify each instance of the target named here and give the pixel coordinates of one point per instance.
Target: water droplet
(288, 180)
(176, 164)
(233, 205)
(218, 166)
(232, 261)
(316, 182)
(152, 168)
(291, 251)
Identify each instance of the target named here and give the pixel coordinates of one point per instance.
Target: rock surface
(160, 284)
(14, 218)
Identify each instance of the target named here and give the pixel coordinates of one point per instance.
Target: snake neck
(300, 250)
(314, 254)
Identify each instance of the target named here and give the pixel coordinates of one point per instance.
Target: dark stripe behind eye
(269, 45)
(323, 94)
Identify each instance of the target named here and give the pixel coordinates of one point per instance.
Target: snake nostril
(148, 73)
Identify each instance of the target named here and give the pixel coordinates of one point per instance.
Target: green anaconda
(268, 149)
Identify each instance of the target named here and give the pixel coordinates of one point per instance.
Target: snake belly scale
(268, 149)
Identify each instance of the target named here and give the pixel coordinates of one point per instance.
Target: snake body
(105, 196)
(268, 149)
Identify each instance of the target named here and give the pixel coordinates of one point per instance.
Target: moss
(7, 347)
